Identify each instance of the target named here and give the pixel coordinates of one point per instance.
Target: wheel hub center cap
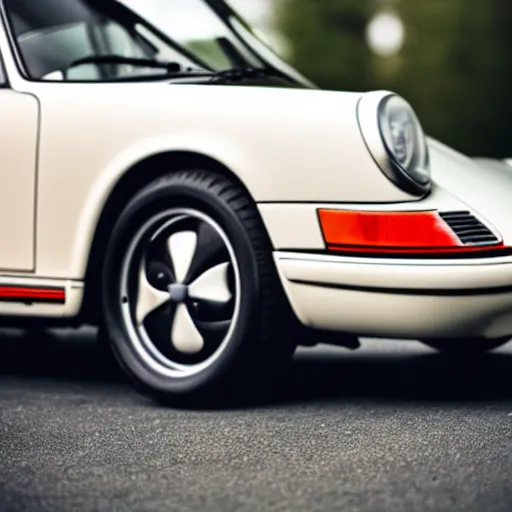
(178, 292)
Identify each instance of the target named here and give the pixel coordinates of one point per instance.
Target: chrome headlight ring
(395, 139)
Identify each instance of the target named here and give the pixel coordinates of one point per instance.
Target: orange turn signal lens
(378, 231)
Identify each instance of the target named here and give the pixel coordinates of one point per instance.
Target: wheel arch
(128, 184)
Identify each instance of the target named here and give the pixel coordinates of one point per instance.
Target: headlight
(396, 140)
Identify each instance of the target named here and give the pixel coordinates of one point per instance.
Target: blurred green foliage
(455, 66)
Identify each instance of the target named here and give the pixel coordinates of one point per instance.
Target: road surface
(392, 427)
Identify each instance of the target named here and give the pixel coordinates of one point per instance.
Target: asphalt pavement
(393, 426)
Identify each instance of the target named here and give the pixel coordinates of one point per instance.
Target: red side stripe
(35, 294)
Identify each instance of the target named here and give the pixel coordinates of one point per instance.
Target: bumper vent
(468, 228)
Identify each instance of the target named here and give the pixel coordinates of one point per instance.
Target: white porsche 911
(210, 209)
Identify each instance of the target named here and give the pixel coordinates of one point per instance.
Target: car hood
(484, 185)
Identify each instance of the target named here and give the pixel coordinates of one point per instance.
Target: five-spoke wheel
(180, 291)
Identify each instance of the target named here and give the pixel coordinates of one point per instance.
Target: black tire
(262, 341)
(469, 347)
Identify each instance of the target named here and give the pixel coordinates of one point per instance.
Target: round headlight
(396, 140)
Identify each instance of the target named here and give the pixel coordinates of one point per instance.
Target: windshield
(53, 36)
(196, 27)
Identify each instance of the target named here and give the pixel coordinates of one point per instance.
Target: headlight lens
(395, 140)
(404, 138)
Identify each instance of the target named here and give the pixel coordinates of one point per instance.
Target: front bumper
(400, 298)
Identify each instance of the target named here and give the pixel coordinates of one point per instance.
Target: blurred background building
(452, 59)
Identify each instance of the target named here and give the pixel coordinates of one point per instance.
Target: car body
(322, 228)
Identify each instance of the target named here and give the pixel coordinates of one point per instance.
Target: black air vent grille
(468, 228)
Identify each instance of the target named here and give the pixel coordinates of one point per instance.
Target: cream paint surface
(484, 187)
(19, 121)
(411, 274)
(285, 145)
(362, 295)
(368, 313)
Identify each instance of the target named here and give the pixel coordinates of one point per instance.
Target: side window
(53, 35)
(52, 49)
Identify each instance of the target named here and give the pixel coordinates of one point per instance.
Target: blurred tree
(455, 66)
(327, 40)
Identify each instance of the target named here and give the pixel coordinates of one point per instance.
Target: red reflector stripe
(393, 232)
(29, 294)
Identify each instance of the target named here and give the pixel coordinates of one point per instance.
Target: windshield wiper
(241, 69)
(248, 73)
(173, 68)
(176, 70)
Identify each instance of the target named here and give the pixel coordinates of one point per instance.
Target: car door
(19, 121)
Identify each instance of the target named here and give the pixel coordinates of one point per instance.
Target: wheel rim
(180, 292)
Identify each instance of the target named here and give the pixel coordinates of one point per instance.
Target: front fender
(285, 145)
(213, 146)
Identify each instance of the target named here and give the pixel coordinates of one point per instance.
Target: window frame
(4, 82)
(4, 78)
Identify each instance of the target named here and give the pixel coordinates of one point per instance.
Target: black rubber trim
(20, 300)
(345, 203)
(409, 291)
(468, 228)
(470, 255)
(455, 255)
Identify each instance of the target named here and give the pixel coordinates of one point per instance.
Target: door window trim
(3, 75)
